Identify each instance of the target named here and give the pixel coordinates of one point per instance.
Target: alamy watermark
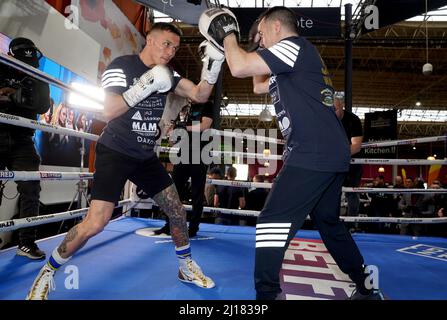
(372, 279)
(72, 280)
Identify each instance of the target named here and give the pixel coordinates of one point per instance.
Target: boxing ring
(127, 262)
(120, 264)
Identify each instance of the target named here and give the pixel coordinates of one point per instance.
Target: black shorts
(113, 169)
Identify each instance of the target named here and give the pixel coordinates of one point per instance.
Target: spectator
(24, 97)
(255, 199)
(229, 197)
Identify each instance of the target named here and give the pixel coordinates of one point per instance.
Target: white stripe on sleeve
(269, 230)
(115, 80)
(273, 225)
(115, 84)
(272, 237)
(270, 244)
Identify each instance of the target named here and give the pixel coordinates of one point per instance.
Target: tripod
(81, 192)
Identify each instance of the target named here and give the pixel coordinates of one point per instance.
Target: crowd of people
(403, 205)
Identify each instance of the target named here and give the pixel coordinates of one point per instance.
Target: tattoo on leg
(168, 200)
(71, 235)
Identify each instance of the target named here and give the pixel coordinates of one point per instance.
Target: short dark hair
(164, 26)
(231, 172)
(286, 16)
(215, 170)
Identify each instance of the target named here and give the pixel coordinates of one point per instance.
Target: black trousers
(181, 174)
(295, 194)
(17, 153)
(353, 179)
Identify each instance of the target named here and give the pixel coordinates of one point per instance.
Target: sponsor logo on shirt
(327, 97)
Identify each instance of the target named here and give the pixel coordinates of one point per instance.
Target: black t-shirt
(229, 196)
(195, 112)
(352, 125)
(255, 199)
(135, 132)
(353, 128)
(188, 116)
(301, 91)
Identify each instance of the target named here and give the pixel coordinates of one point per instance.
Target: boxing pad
(212, 59)
(253, 37)
(217, 23)
(158, 79)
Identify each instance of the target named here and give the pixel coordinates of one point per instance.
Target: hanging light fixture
(427, 68)
(265, 115)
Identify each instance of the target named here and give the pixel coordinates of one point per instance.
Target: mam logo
(310, 273)
(143, 127)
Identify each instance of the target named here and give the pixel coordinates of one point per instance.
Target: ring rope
(33, 124)
(246, 135)
(6, 175)
(246, 155)
(408, 162)
(252, 213)
(402, 142)
(261, 156)
(17, 64)
(266, 185)
(10, 225)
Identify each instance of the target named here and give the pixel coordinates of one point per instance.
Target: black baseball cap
(26, 51)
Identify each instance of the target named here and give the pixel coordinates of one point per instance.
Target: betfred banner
(380, 126)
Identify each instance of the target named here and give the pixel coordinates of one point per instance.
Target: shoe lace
(46, 284)
(195, 269)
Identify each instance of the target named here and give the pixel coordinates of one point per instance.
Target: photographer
(23, 96)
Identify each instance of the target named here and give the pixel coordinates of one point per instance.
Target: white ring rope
(36, 73)
(237, 212)
(402, 142)
(246, 155)
(408, 162)
(246, 136)
(266, 185)
(252, 213)
(242, 184)
(33, 124)
(6, 175)
(10, 225)
(261, 156)
(390, 190)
